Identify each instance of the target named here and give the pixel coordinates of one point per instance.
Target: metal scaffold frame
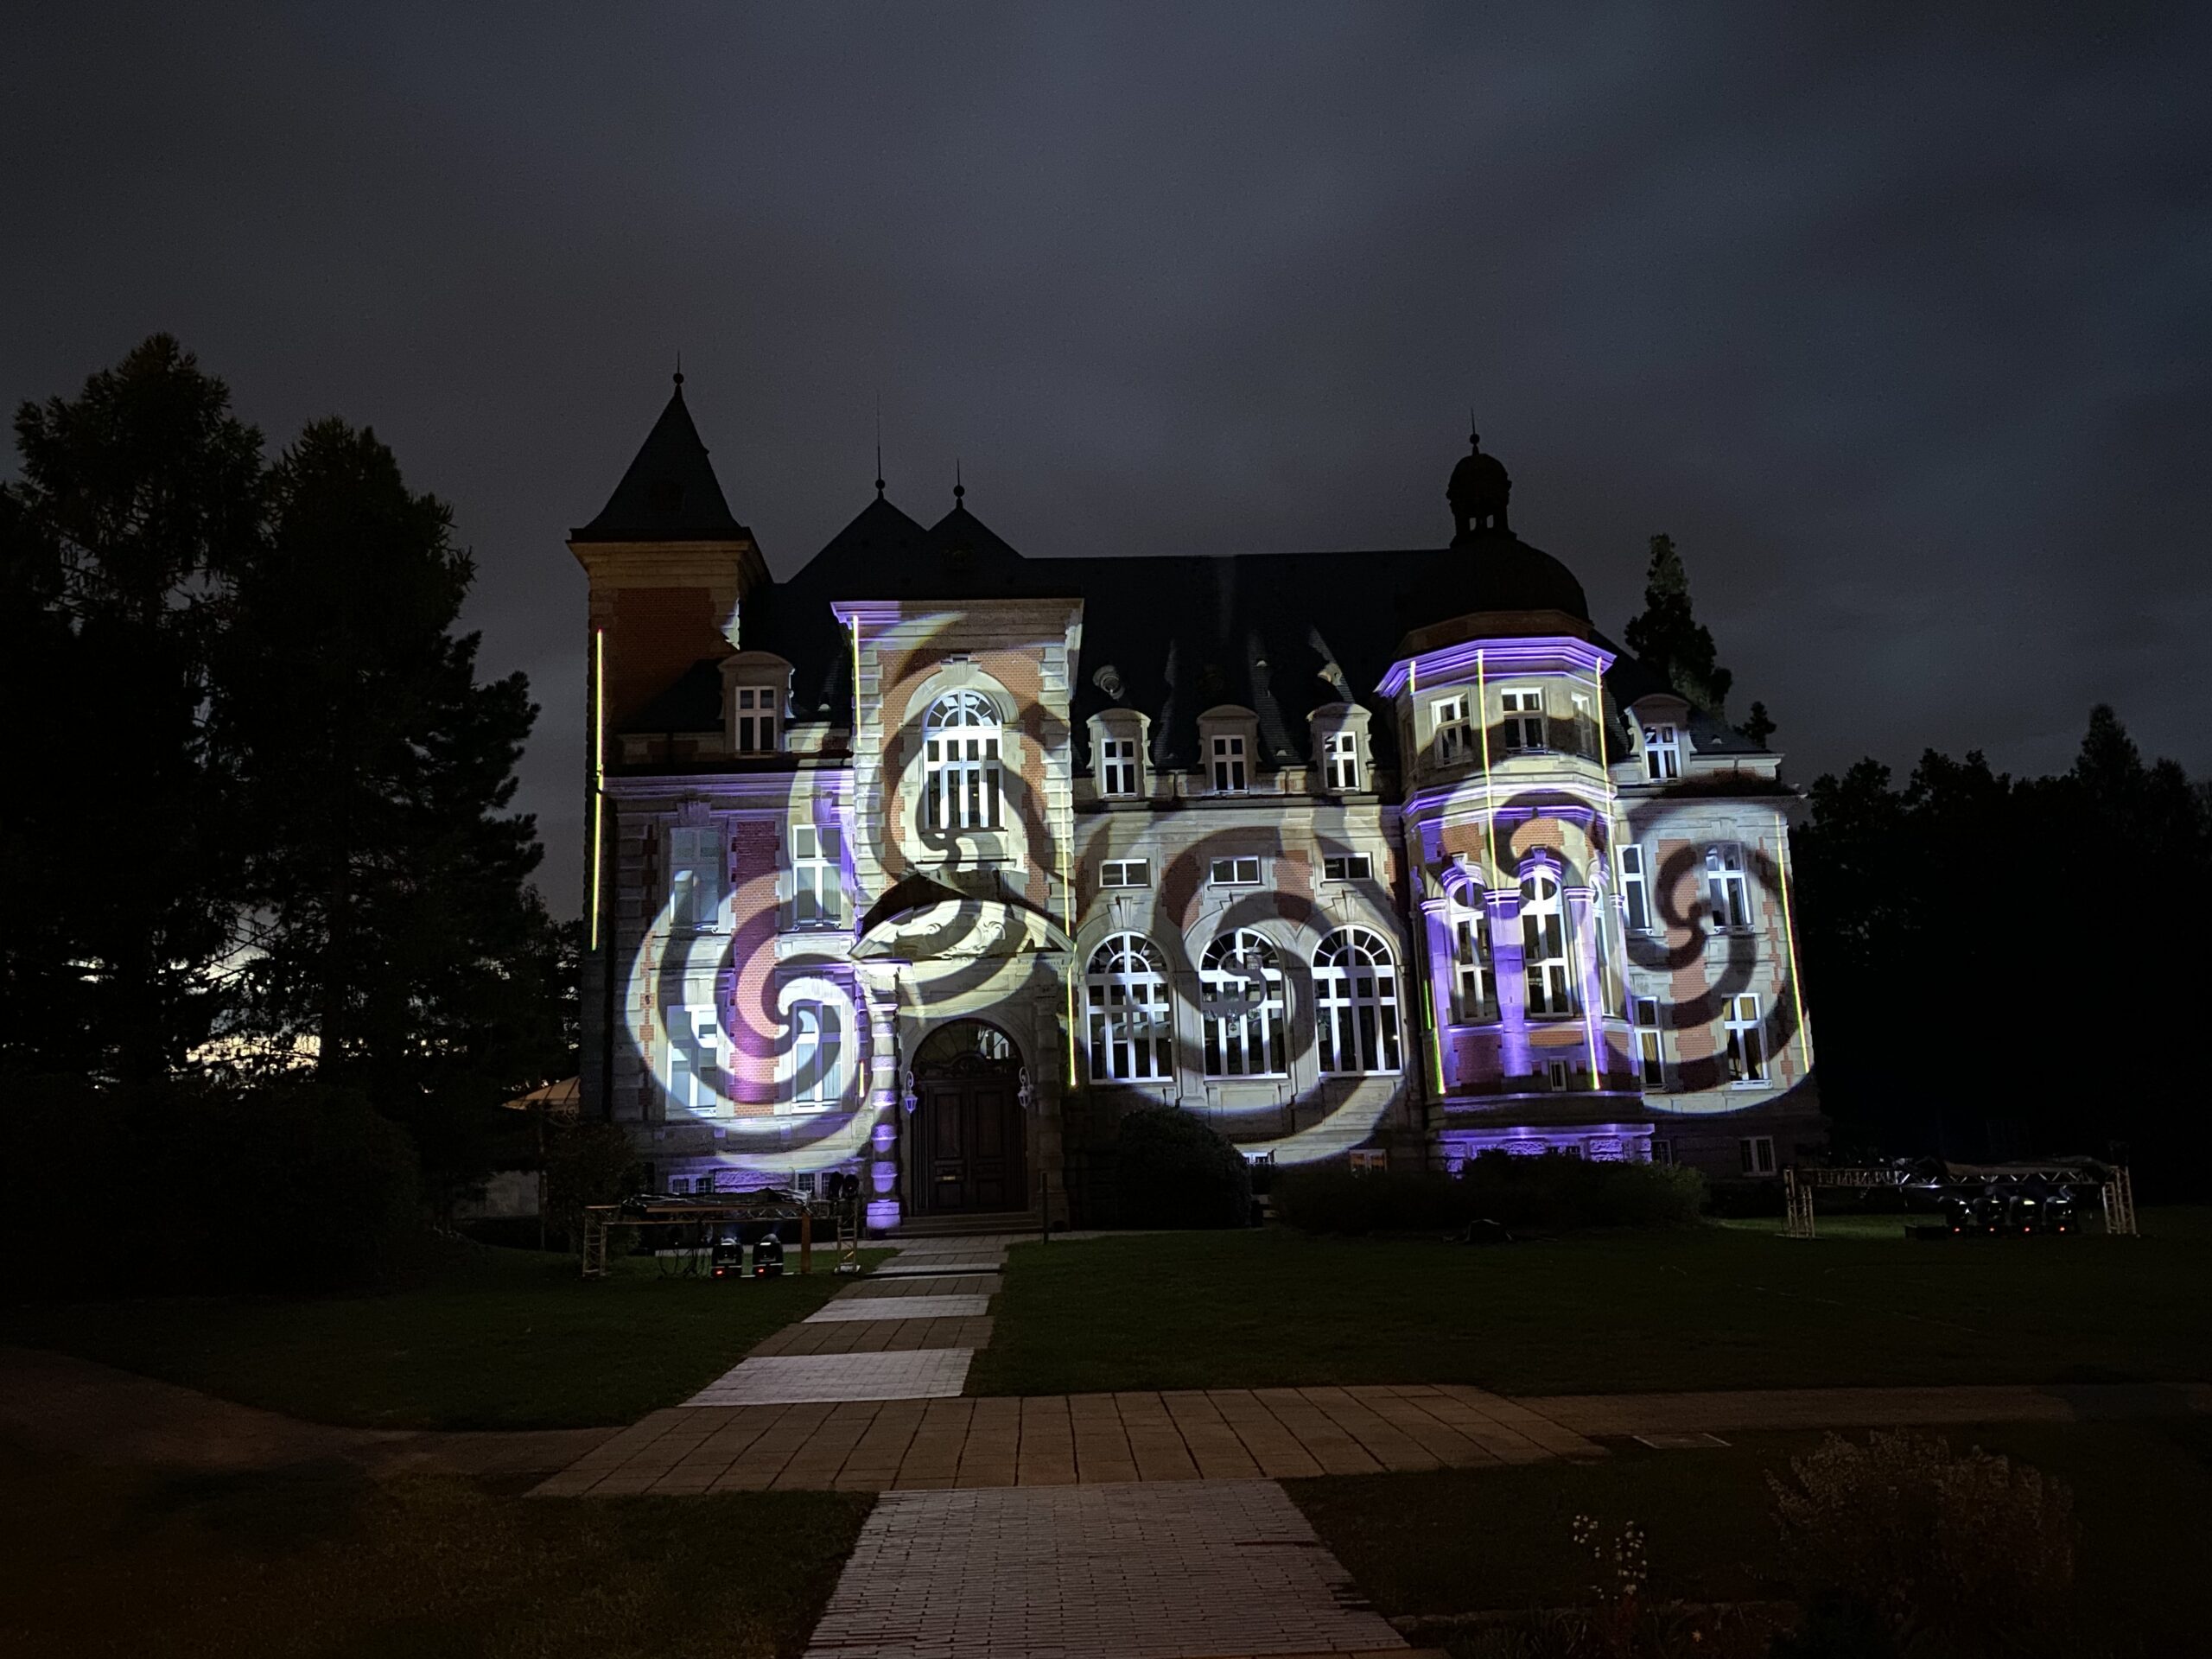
(2114, 1184)
(763, 1204)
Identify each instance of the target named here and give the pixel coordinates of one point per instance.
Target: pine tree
(398, 936)
(1668, 638)
(1760, 725)
(136, 497)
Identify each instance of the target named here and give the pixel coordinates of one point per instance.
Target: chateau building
(931, 861)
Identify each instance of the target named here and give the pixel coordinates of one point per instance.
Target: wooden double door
(968, 1132)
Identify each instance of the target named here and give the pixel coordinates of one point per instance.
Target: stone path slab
(1063, 1440)
(1123, 1572)
(854, 1308)
(784, 1379)
(874, 1337)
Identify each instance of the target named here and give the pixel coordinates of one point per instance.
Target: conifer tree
(1668, 636)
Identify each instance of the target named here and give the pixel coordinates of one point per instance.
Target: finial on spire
(679, 370)
(959, 489)
(878, 446)
(1474, 438)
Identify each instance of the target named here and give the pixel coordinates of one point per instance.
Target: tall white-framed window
(1584, 721)
(694, 1058)
(1663, 751)
(1523, 723)
(818, 881)
(695, 876)
(1117, 765)
(1455, 738)
(759, 720)
(1230, 776)
(1727, 887)
(1131, 1024)
(1241, 985)
(1636, 887)
(1474, 973)
(1543, 946)
(1757, 1154)
(960, 762)
(814, 1075)
(1355, 1003)
(1650, 1041)
(1341, 757)
(1746, 1042)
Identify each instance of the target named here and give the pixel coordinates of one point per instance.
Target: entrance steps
(967, 1225)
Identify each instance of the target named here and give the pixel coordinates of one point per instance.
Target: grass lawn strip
(1712, 1307)
(491, 1339)
(322, 1558)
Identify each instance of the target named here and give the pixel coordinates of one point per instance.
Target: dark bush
(1556, 1192)
(289, 1186)
(1744, 1200)
(1330, 1199)
(586, 1163)
(1171, 1169)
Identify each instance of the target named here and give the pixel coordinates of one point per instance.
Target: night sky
(1902, 327)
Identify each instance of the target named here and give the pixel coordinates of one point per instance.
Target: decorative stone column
(1510, 962)
(879, 983)
(1443, 975)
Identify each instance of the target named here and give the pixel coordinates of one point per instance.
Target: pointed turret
(670, 493)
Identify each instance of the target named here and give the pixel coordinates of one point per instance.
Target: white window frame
(961, 735)
(1244, 1035)
(1117, 766)
(1746, 1056)
(1238, 871)
(1663, 752)
(1522, 722)
(694, 876)
(1474, 963)
(757, 723)
(1559, 1079)
(1231, 768)
(1129, 1015)
(812, 1083)
(1650, 1041)
(1358, 1030)
(817, 876)
(1757, 1154)
(1454, 736)
(1125, 872)
(1547, 951)
(1347, 867)
(1583, 722)
(1340, 762)
(1728, 888)
(1636, 887)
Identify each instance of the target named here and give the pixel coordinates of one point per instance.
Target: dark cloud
(1895, 318)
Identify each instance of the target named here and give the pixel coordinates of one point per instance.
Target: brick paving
(1119, 1572)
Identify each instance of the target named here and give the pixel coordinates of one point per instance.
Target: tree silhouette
(1668, 638)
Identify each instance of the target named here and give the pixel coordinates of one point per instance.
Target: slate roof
(670, 493)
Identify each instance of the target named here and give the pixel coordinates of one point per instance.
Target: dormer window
(1454, 737)
(759, 727)
(1341, 762)
(1340, 748)
(1663, 751)
(1117, 766)
(1523, 725)
(1230, 774)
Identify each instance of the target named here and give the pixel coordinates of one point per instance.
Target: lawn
(490, 1338)
(1710, 1308)
(1464, 1541)
(323, 1560)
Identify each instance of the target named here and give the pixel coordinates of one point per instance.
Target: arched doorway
(967, 1155)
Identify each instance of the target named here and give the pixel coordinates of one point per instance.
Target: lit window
(814, 1069)
(1543, 946)
(1234, 873)
(758, 718)
(1369, 1161)
(1125, 872)
(1663, 752)
(1346, 867)
(1650, 1042)
(1523, 726)
(1758, 1152)
(1455, 739)
(1355, 1003)
(1474, 975)
(1228, 775)
(817, 889)
(1746, 1042)
(1131, 1024)
(1240, 982)
(1117, 765)
(1636, 891)
(694, 876)
(1558, 1077)
(1727, 887)
(960, 762)
(1342, 755)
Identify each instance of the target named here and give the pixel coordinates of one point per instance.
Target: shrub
(1745, 1200)
(586, 1163)
(1556, 1192)
(1171, 1169)
(1970, 1552)
(1330, 1198)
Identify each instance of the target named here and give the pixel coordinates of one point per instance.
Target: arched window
(1355, 1003)
(1132, 1026)
(960, 762)
(1543, 945)
(1474, 975)
(1240, 982)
